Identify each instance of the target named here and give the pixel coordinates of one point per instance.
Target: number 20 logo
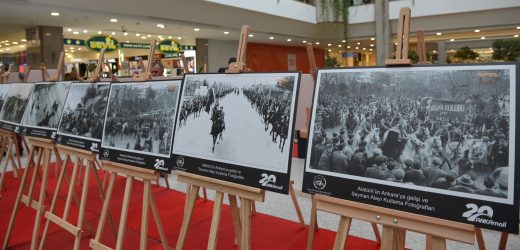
(475, 211)
(266, 179)
(159, 163)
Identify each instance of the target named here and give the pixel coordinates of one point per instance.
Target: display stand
(44, 148)
(403, 32)
(130, 172)
(9, 141)
(51, 216)
(240, 65)
(59, 70)
(185, 64)
(241, 216)
(421, 47)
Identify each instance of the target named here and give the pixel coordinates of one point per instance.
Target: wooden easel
(44, 148)
(421, 47)
(240, 64)
(9, 140)
(241, 217)
(90, 158)
(403, 32)
(130, 172)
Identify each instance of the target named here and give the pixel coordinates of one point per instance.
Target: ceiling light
(179, 38)
(149, 35)
(113, 33)
(22, 46)
(169, 37)
(7, 49)
(7, 44)
(71, 48)
(371, 45)
(143, 37)
(370, 49)
(372, 38)
(48, 34)
(127, 41)
(79, 48)
(271, 38)
(438, 33)
(477, 31)
(482, 38)
(1, 46)
(289, 39)
(451, 40)
(85, 31)
(339, 45)
(358, 43)
(515, 36)
(304, 41)
(69, 29)
(113, 20)
(364, 48)
(329, 44)
(348, 47)
(162, 38)
(343, 41)
(395, 43)
(137, 34)
(125, 34)
(357, 48)
(434, 51)
(15, 43)
(75, 32)
(329, 50)
(317, 43)
(159, 36)
(196, 29)
(251, 35)
(226, 32)
(1, 50)
(55, 14)
(100, 32)
(518, 27)
(160, 25)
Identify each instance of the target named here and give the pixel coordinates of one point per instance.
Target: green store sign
(169, 47)
(96, 43)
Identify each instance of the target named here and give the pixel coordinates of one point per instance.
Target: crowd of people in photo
(274, 110)
(14, 108)
(396, 138)
(133, 125)
(88, 116)
(38, 108)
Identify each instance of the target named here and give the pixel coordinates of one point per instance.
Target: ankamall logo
(269, 180)
(482, 215)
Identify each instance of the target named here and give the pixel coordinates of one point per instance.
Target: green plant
(338, 8)
(506, 49)
(466, 54)
(414, 57)
(331, 61)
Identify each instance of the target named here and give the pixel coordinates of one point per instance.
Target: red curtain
(268, 58)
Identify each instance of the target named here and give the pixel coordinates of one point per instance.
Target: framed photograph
(237, 127)
(139, 123)
(43, 111)
(4, 89)
(433, 140)
(83, 116)
(14, 106)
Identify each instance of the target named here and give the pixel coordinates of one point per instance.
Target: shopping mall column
(441, 49)
(44, 45)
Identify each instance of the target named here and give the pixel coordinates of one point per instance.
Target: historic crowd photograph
(46, 104)
(15, 103)
(4, 88)
(238, 119)
(84, 110)
(140, 117)
(440, 129)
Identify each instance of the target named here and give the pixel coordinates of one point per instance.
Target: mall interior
(207, 32)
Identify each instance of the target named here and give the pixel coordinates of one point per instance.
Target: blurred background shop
(353, 33)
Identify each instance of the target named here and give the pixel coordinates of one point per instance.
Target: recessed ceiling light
(395, 43)
(15, 43)
(137, 34)
(515, 36)
(343, 41)
(357, 48)
(328, 44)
(196, 29)
(125, 34)
(477, 31)
(127, 41)
(7, 44)
(7, 49)
(71, 48)
(371, 45)
(339, 45)
(482, 37)
(271, 38)
(452, 40)
(48, 34)
(55, 14)
(251, 35)
(85, 31)
(329, 50)
(162, 38)
(289, 39)
(370, 49)
(69, 29)
(434, 51)
(1, 46)
(226, 32)
(113, 33)
(149, 35)
(358, 43)
(1, 50)
(113, 20)
(364, 48)
(75, 32)
(304, 41)
(372, 38)
(438, 33)
(317, 43)
(169, 37)
(143, 37)
(518, 27)
(159, 36)
(79, 48)
(348, 47)
(100, 32)
(160, 25)
(179, 38)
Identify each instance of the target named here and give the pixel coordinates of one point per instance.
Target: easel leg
(41, 207)
(503, 241)
(215, 221)
(296, 203)
(245, 212)
(16, 167)
(341, 235)
(376, 232)
(102, 195)
(158, 223)
(71, 188)
(235, 214)
(313, 224)
(435, 243)
(124, 213)
(35, 173)
(144, 216)
(104, 210)
(53, 204)
(393, 238)
(81, 216)
(17, 201)
(188, 212)
(4, 145)
(480, 238)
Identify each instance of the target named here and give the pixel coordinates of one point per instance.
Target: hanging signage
(170, 47)
(180, 48)
(96, 43)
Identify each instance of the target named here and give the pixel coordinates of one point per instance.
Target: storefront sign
(96, 43)
(79, 42)
(170, 47)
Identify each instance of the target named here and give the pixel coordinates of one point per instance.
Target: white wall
(219, 53)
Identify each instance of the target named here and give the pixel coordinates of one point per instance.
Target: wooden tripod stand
(8, 141)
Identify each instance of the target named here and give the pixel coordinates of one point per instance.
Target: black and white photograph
(139, 123)
(14, 106)
(441, 130)
(43, 112)
(244, 121)
(4, 89)
(83, 115)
